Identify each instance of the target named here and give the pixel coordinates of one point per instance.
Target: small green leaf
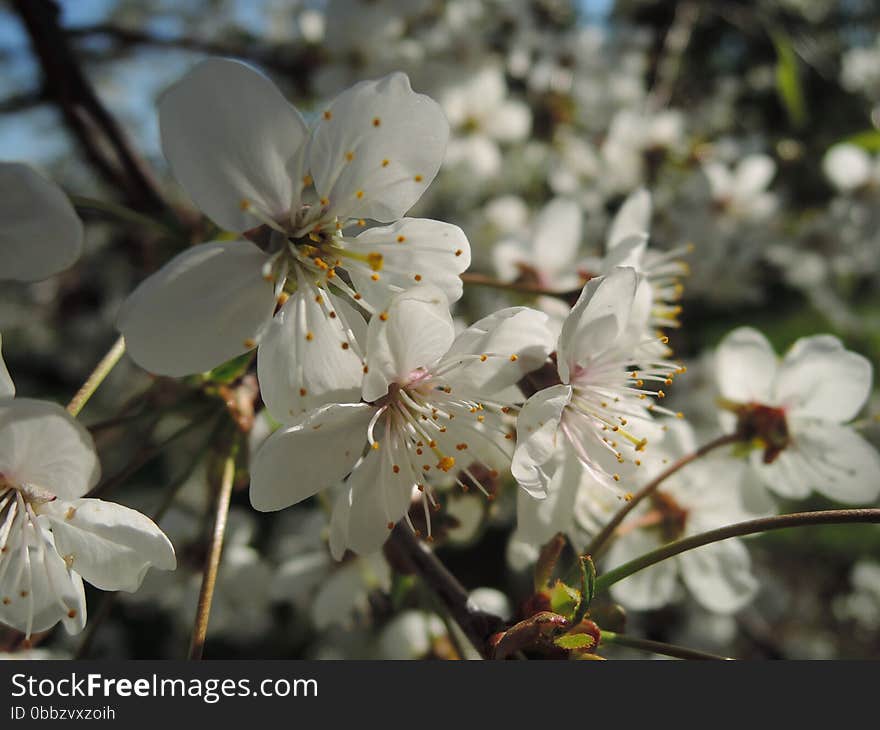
(868, 140)
(788, 80)
(231, 370)
(575, 641)
(564, 599)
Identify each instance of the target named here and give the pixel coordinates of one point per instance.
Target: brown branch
(97, 132)
(296, 65)
(477, 625)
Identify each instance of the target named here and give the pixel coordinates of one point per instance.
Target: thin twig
(599, 542)
(100, 136)
(674, 46)
(750, 527)
(209, 579)
(101, 371)
(477, 625)
(658, 647)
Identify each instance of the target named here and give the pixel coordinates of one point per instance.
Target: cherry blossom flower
(704, 496)
(545, 252)
(50, 536)
(433, 404)
(41, 234)
(249, 161)
(627, 245)
(797, 411)
(601, 403)
(741, 191)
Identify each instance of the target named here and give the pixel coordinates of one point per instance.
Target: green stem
(750, 527)
(658, 647)
(120, 213)
(97, 377)
(599, 542)
(209, 579)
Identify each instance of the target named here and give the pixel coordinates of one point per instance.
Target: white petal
(557, 235)
(650, 588)
(818, 378)
(377, 497)
(315, 453)
(719, 575)
(40, 233)
(7, 387)
(43, 446)
(229, 135)
(537, 520)
(788, 475)
(628, 251)
(412, 250)
(835, 461)
(516, 340)
(307, 358)
(537, 438)
(366, 125)
(414, 332)
(510, 121)
(720, 179)
(847, 166)
(633, 219)
(746, 366)
(345, 592)
(597, 319)
(109, 545)
(753, 175)
(204, 307)
(52, 592)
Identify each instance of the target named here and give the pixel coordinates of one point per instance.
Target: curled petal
(109, 545)
(537, 434)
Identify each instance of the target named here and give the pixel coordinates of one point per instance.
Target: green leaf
(788, 80)
(575, 641)
(868, 140)
(564, 599)
(231, 370)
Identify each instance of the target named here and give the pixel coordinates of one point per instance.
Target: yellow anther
(349, 156)
(307, 180)
(249, 343)
(359, 194)
(375, 445)
(383, 316)
(310, 336)
(514, 358)
(376, 121)
(418, 178)
(375, 260)
(386, 162)
(401, 239)
(328, 115)
(446, 463)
